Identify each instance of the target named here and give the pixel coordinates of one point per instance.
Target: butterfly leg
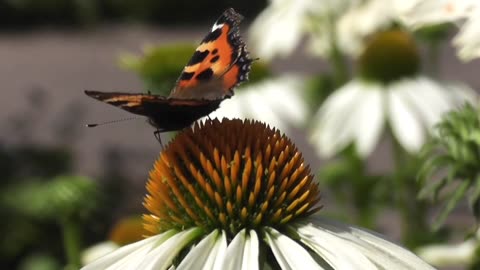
(157, 135)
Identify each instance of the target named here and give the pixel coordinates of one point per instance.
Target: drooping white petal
(277, 102)
(335, 251)
(381, 252)
(161, 257)
(216, 258)
(284, 96)
(97, 251)
(449, 255)
(428, 100)
(461, 93)
(278, 29)
(370, 116)
(230, 108)
(199, 255)
(468, 40)
(132, 251)
(404, 121)
(419, 13)
(288, 253)
(251, 252)
(332, 130)
(234, 256)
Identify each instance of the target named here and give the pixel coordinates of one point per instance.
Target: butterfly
(219, 64)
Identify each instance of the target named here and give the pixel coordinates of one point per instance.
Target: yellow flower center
(229, 175)
(389, 56)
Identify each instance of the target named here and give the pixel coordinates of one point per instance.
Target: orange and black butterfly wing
(166, 114)
(219, 63)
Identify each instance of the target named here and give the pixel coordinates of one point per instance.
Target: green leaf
(431, 166)
(455, 197)
(61, 197)
(475, 194)
(431, 191)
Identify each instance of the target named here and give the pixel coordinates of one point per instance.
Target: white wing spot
(217, 26)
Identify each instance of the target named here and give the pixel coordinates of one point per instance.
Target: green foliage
(63, 197)
(453, 156)
(160, 66)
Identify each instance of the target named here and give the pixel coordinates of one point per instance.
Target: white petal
(161, 257)
(230, 108)
(277, 102)
(234, 255)
(330, 132)
(242, 252)
(284, 96)
(461, 93)
(278, 29)
(426, 98)
(127, 251)
(251, 252)
(361, 21)
(468, 40)
(380, 251)
(198, 256)
(354, 112)
(216, 261)
(335, 251)
(406, 125)
(449, 255)
(288, 253)
(429, 12)
(262, 112)
(97, 251)
(370, 116)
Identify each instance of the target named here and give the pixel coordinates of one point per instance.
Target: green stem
(434, 58)
(336, 56)
(413, 212)
(71, 242)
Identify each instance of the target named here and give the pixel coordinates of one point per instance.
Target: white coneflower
(278, 102)
(278, 30)
(444, 255)
(390, 90)
(465, 13)
(237, 195)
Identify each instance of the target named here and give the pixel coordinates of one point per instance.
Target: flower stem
(71, 242)
(434, 58)
(336, 57)
(413, 213)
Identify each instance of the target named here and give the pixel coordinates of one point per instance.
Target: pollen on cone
(229, 175)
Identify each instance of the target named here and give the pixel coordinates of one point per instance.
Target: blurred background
(65, 186)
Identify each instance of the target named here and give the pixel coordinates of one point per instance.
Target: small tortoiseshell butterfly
(219, 63)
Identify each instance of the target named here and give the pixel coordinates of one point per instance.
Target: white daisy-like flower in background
(450, 255)
(390, 90)
(358, 111)
(237, 195)
(464, 13)
(278, 102)
(361, 21)
(278, 30)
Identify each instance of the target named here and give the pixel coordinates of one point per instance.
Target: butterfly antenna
(112, 122)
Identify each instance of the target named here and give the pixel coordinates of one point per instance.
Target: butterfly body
(218, 65)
